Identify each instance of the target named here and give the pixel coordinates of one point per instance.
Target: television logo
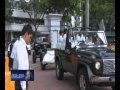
(22, 75)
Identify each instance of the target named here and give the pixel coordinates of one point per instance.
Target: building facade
(49, 24)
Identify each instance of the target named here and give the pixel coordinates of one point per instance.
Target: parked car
(91, 64)
(48, 58)
(40, 48)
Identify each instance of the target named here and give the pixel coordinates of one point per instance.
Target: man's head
(27, 32)
(61, 32)
(65, 31)
(80, 33)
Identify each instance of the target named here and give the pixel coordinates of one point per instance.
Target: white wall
(54, 25)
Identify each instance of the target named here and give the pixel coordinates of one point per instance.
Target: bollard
(9, 85)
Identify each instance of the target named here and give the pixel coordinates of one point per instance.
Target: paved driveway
(46, 80)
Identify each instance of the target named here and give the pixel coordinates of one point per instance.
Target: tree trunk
(35, 16)
(102, 25)
(87, 15)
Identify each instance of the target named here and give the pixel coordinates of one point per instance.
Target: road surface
(46, 80)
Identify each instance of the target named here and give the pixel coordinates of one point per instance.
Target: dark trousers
(18, 86)
(10, 63)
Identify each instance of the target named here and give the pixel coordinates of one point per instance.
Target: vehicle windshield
(42, 39)
(89, 38)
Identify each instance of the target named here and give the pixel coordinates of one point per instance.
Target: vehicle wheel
(59, 71)
(113, 87)
(34, 57)
(43, 66)
(83, 80)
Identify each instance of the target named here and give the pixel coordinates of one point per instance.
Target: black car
(92, 64)
(40, 47)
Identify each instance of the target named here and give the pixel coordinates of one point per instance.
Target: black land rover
(87, 58)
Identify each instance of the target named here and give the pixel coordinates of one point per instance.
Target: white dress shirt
(20, 56)
(14, 49)
(60, 39)
(64, 38)
(80, 38)
(62, 42)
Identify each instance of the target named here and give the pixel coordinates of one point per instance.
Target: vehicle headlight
(97, 65)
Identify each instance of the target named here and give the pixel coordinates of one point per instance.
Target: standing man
(20, 55)
(62, 40)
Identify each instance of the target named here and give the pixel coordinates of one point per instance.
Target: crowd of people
(80, 38)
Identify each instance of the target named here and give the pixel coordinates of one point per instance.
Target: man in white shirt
(80, 37)
(89, 40)
(20, 55)
(62, 40)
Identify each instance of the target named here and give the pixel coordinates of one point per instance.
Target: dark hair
(27, 28)
(65, 31)
(61, 31)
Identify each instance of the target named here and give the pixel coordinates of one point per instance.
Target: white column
(54, 27)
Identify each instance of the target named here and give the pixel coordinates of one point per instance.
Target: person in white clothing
(20, 55)
(64, 36)
(80, 37)
(62, 40)
(89, 40)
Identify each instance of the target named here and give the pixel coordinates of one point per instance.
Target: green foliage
(102, 9)
(66, 7)
(8, 8)
(99, 9)
(37, 6)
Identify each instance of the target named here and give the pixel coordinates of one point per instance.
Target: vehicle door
(71, 59)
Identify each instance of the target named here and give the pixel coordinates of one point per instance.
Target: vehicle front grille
(108, 66)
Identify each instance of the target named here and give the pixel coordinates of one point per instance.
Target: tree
(87, 14)
(102, 10)
(66, 7)
(99, 9)
(8, 9)
(36, 9)
(8, 12)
